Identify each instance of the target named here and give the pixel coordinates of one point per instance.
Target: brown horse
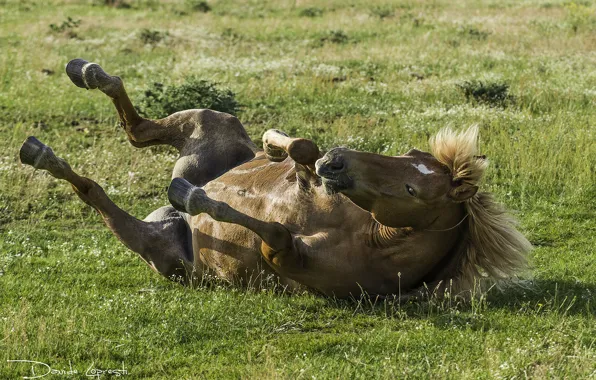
(342, 223)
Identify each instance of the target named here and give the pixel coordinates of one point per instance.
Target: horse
(341, 223)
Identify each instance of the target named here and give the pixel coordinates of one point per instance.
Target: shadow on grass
(541, 297)
(538, 297)
(562, 296)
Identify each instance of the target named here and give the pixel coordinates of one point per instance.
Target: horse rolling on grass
(341, 224)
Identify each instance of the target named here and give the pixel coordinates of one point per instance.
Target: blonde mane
(492, 246)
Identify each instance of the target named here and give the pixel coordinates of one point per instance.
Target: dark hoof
(74, 69)
(32, 151)
(179, 193)
(274, 154)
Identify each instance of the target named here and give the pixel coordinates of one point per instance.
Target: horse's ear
(462, 191)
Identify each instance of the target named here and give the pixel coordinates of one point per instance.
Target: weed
(474, 33)
(580, 16)
(335, 37)
(198, 5)
(382, 11)
(159, 100)
(67, 27)
(548, 5)
(311, 12)
(491, 93)
(113, 3)
(416, 20)
(231, 34)
(152, 37)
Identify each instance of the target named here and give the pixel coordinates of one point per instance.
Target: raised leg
(162, 240)
(209, 142)
(278, 146)
(141, 132)
(277, 243)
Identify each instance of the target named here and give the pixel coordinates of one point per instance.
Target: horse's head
(409, 190)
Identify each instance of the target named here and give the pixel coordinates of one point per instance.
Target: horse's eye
(410, 190)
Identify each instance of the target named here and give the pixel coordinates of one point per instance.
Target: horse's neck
(380, 236)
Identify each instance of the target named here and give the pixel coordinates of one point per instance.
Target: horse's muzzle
(333, 170)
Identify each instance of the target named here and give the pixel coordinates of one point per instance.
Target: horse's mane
(492, 246)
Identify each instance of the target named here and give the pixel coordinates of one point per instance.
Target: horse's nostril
(336, 166)
(331, 165)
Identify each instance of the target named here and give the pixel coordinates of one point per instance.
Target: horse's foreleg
(163, 244)
(141, 132)
(278, 146)
(277, 243)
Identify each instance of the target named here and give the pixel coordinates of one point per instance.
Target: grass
(373, 75)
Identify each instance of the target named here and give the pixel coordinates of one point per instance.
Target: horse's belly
(229, 251)
(339, 264)
(232, 253)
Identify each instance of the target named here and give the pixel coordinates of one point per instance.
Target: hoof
(33, 151)
(90, 75)
(274, 154)
(40, 156)
(180, 194)
(74, 70)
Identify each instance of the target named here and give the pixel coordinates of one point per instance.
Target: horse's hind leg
(162, 240)
(209, 142)
(141, 132)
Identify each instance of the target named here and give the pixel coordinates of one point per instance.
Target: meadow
(373, 75)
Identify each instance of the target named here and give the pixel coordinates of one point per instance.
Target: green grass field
(373, 75)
